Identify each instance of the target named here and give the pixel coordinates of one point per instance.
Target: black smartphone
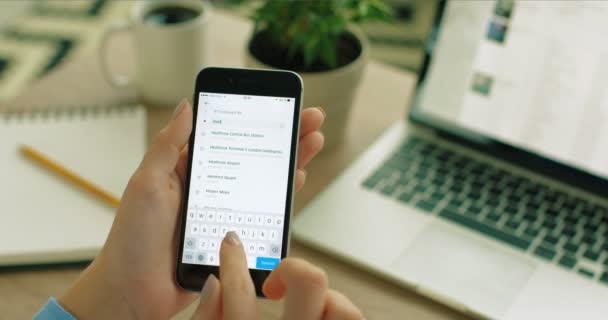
(241, 171)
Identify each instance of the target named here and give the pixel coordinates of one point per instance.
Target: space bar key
(486, 229)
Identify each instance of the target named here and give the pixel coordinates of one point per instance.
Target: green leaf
(363, 9)
(337, 24)
(328, 53)
(380, 11)
(311, 50)
(296, 44)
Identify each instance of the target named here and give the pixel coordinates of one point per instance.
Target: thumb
(168, 143)
(209, 307)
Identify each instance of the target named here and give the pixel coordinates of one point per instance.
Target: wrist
(95, 295)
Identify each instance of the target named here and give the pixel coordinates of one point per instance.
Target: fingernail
(232, 239)
(208, 288)
(304, 172)
(179, 108)
(322, 111)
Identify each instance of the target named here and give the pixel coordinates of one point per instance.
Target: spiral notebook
(45, 219)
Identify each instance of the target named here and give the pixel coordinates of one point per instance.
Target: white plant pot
(334, 90)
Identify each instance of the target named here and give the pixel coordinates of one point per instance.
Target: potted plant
(318, 40)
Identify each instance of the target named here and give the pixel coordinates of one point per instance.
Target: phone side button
(267, 263)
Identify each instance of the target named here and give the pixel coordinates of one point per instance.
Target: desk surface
(381, 100)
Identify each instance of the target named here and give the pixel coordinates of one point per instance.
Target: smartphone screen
(239, 179)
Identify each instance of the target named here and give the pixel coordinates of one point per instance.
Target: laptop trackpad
(470, 271)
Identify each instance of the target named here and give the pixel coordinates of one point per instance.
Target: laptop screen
(531, 74)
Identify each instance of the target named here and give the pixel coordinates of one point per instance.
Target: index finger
(238, 293)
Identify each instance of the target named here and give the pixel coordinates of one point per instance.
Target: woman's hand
(303, 286)
(134, 274)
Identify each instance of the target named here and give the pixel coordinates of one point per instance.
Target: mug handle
(116, 80)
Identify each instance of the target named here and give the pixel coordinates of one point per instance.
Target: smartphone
(241, 171)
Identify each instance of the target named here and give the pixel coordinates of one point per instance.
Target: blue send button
(266, 263)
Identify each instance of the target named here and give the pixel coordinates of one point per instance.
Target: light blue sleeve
(53, 311)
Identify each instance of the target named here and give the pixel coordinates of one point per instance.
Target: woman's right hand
(303, 286)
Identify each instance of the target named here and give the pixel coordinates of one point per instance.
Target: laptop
(492, 196)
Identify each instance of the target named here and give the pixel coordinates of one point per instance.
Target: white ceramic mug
(168, 56)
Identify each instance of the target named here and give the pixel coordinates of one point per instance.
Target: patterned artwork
(49, 33)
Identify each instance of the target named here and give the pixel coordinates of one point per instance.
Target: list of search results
(239, 177)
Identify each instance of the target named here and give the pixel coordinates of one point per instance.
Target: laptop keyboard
(545, 222)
